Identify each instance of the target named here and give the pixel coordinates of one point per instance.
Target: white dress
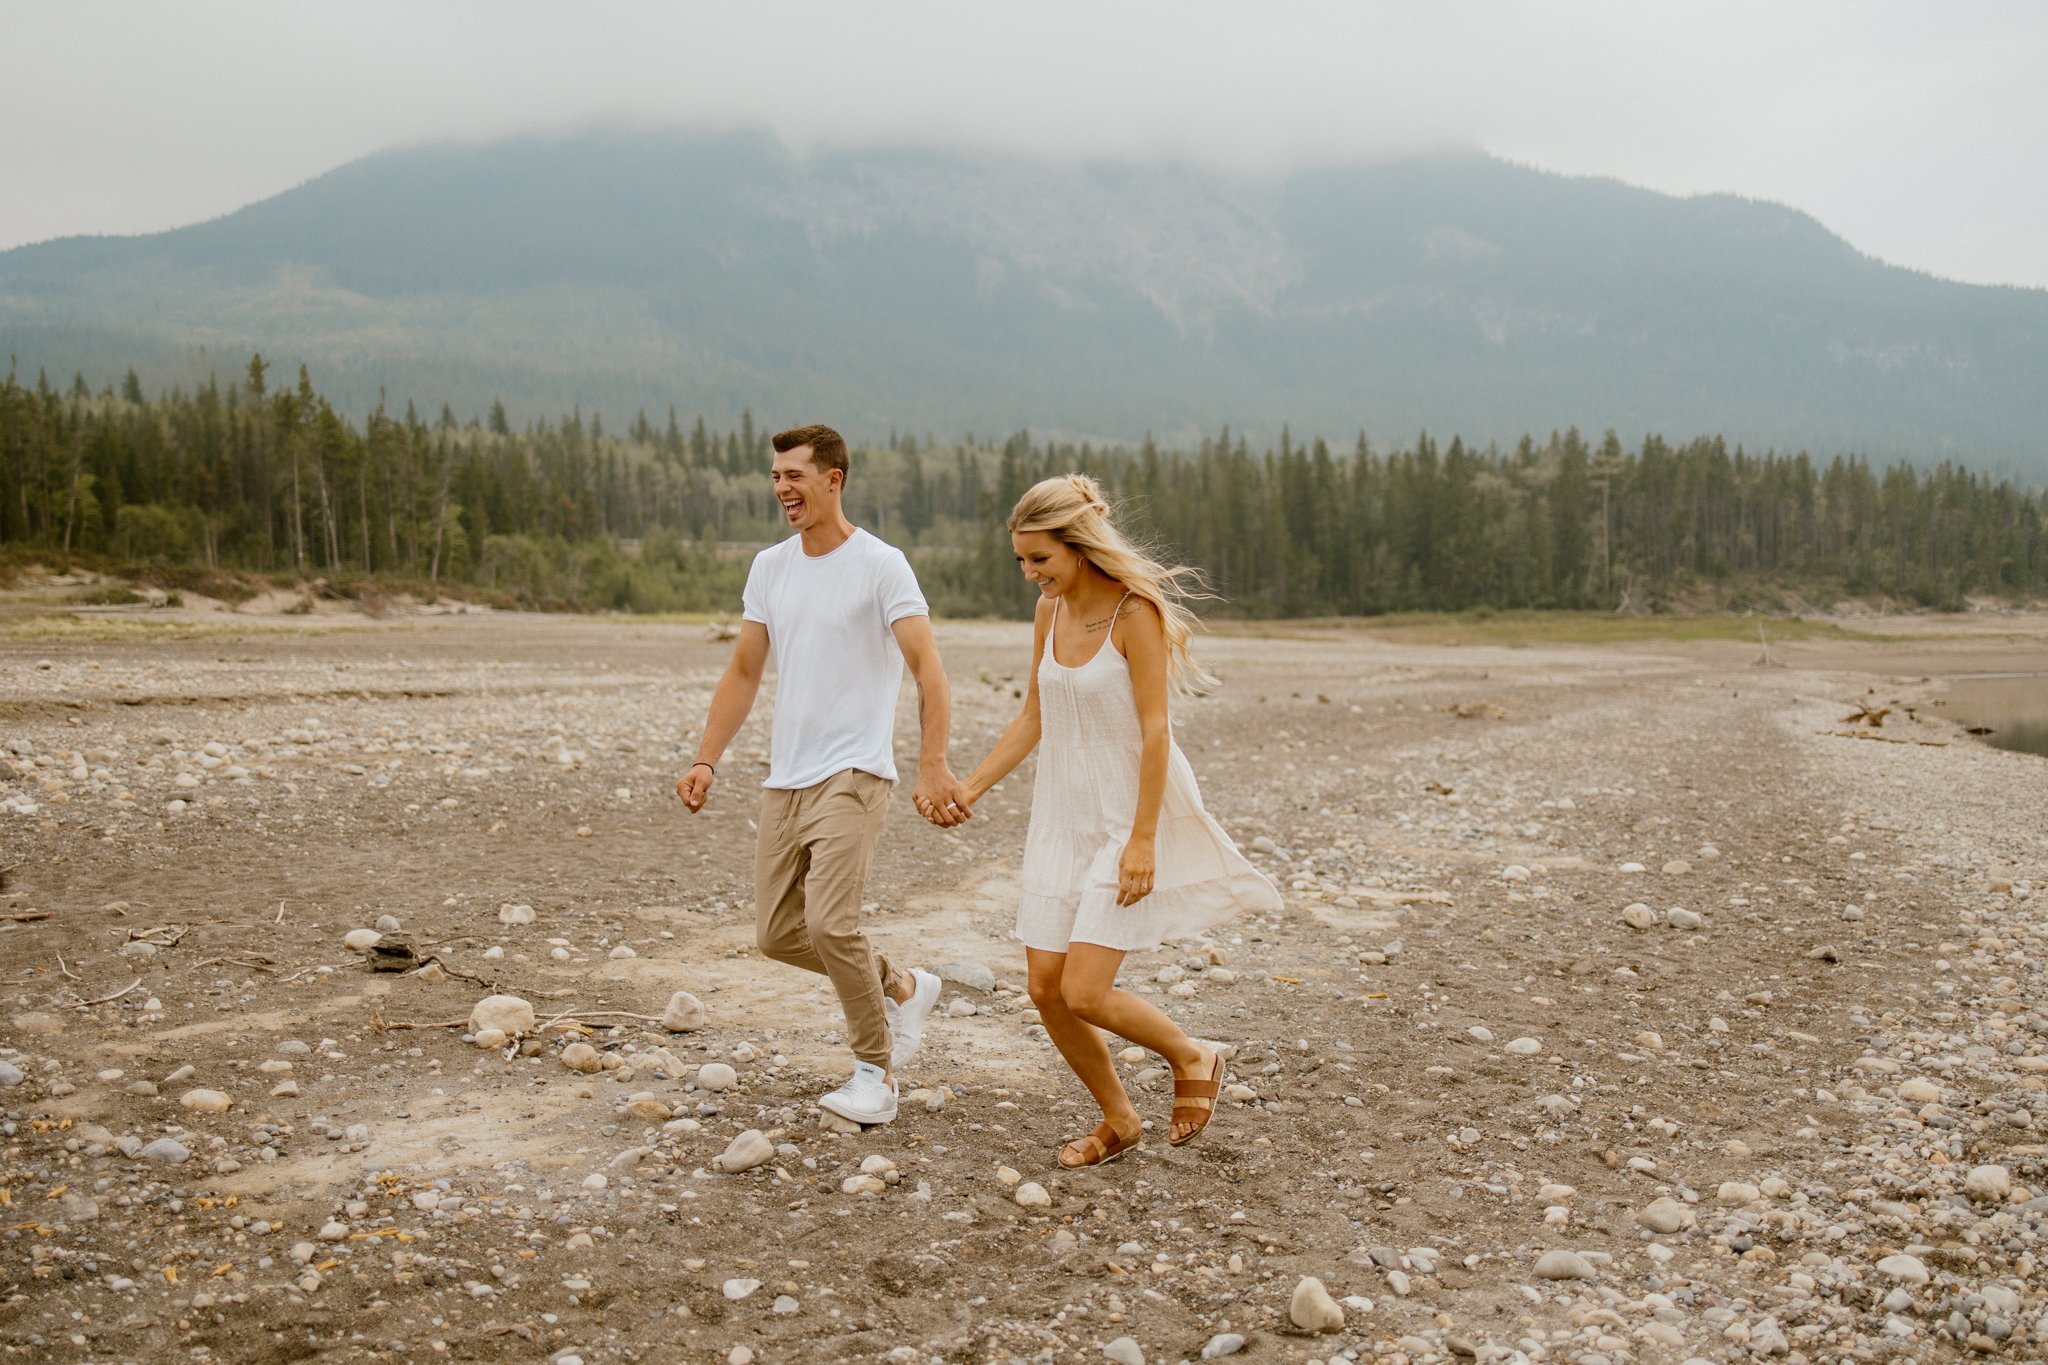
(1083, 802)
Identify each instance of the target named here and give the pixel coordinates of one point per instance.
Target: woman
(1120, 855)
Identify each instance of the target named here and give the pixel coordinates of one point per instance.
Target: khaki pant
(810, 868)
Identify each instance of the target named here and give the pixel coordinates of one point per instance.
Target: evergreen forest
(263, 478)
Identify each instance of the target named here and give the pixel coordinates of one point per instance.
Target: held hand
(1134, 872)
(693, 786)
(941, 799)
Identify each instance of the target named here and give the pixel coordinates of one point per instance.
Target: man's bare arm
(730, 705)
(939, 796)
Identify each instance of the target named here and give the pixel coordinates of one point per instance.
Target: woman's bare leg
(1088, 986)
(1079, 1042)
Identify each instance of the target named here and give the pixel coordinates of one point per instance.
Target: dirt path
(1854, 1023)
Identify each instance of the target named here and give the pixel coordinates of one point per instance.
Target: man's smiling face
(809, 495)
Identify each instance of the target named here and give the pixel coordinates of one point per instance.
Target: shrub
(151, 531)
(113, 595)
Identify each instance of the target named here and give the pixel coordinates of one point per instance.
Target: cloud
(1909, 129)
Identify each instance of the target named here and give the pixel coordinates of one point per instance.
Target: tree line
(256, 477)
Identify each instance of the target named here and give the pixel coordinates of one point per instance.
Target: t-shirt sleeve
(897, 589)
(753, 603)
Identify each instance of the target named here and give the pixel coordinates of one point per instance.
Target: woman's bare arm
(1021, 735)
(1144, 649)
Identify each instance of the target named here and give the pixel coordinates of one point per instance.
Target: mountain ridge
(907, 287)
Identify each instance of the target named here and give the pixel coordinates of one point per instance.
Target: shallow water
(2012, 706)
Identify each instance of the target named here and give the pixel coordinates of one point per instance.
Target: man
(842, 613)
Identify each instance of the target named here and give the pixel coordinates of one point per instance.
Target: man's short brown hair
(828, 447)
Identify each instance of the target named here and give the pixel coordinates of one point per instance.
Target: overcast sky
(1914, 130)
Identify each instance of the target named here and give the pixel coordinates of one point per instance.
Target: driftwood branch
(379, 1024)
(492, 986)
(579, 1016)
(105, 999)
(1885, 739)
(1763, 659)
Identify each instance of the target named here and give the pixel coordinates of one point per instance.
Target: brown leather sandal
(1196, 1088)
(1099, 1148)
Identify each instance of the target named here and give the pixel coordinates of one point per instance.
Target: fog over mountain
(942, 291)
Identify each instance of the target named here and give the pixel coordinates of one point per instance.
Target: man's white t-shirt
(838, 669)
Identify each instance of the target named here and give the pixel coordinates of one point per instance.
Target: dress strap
(1114, 613)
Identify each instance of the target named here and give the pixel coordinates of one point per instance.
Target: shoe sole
(897, 1062)
(1111, 1159)
(865, 1120)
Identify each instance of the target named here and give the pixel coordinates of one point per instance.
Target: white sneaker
(865, 1098)
(906, 1020)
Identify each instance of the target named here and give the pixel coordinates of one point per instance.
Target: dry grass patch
(1517, 629)
(65, 627)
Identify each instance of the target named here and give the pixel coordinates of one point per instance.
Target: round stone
(1988, 1184)
(1559, 1264)
(507, 1012)
(1908, 1269)
(684, 1013)
(748, 1150)
(1311, 1308)
(1663, 1216)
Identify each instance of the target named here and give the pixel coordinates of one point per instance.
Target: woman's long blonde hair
(1072, 510)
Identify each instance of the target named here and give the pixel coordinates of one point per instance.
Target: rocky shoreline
(1625, 1007)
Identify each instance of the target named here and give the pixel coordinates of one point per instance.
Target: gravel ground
(1627, 1005)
